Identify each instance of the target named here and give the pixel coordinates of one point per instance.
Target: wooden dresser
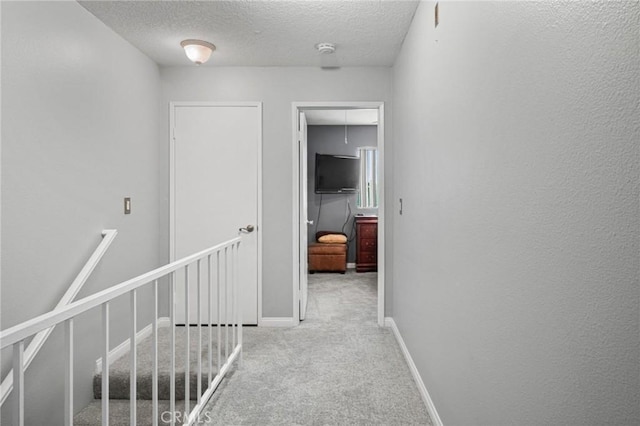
(366, 243)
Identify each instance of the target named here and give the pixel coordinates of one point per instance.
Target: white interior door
(304, 266)
(215, 178)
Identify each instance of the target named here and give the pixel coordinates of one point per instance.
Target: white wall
(277, 88)
(80, 110)
(516, 266)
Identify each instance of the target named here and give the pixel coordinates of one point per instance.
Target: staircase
(119, 379)
(220, 265)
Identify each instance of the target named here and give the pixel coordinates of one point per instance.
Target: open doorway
(348, 137)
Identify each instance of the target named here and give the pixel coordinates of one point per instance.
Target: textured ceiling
(263, 33)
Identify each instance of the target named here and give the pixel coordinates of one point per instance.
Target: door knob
(248, 229)
(309, 222)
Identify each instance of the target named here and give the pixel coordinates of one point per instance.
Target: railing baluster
(188, 344)
(105, 364)
(226, 303)
(219, 326)
(154, 355)
(18, 383)
(210, 301)
(68, 373)
(239, 319)
(172, 339)
(234, 293)
(199, 353)
(133, 357)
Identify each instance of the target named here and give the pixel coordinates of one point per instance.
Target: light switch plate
(127, 205)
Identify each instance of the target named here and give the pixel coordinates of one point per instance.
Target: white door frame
(303, 217)
(172, 196)
(296, 108)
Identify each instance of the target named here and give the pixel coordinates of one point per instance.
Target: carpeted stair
(119, 378)
(119, 413)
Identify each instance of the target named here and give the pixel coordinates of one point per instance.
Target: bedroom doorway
(334, 121)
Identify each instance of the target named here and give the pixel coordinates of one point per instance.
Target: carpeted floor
(337, 367)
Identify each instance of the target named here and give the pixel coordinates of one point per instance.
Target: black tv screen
(336, 174)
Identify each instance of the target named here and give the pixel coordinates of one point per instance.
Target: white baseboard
(428, 402)
(277, 322)
(351, 265)
(123, 348)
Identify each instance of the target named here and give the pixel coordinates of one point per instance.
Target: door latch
(248, 229)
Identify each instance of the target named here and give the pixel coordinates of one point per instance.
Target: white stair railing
(108, 235)
(220, 275)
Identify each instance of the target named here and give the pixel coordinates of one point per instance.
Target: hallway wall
(276, 88)
(516, 267)
(79, 132)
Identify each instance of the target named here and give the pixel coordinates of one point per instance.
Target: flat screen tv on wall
(336, 174)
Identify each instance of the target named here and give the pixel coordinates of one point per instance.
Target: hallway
(337, 367)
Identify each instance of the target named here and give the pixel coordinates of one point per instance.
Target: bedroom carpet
(337, 367)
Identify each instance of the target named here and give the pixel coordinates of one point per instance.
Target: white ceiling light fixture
(326, 48)
(197, 51)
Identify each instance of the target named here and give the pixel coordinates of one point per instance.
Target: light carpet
(337, 367)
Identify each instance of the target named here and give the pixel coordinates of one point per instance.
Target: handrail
(226, 281)
(22, 331)
(108, 235)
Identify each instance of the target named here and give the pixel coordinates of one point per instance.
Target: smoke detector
(326, 48)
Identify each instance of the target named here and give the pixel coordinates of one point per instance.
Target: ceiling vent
(326, 48)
